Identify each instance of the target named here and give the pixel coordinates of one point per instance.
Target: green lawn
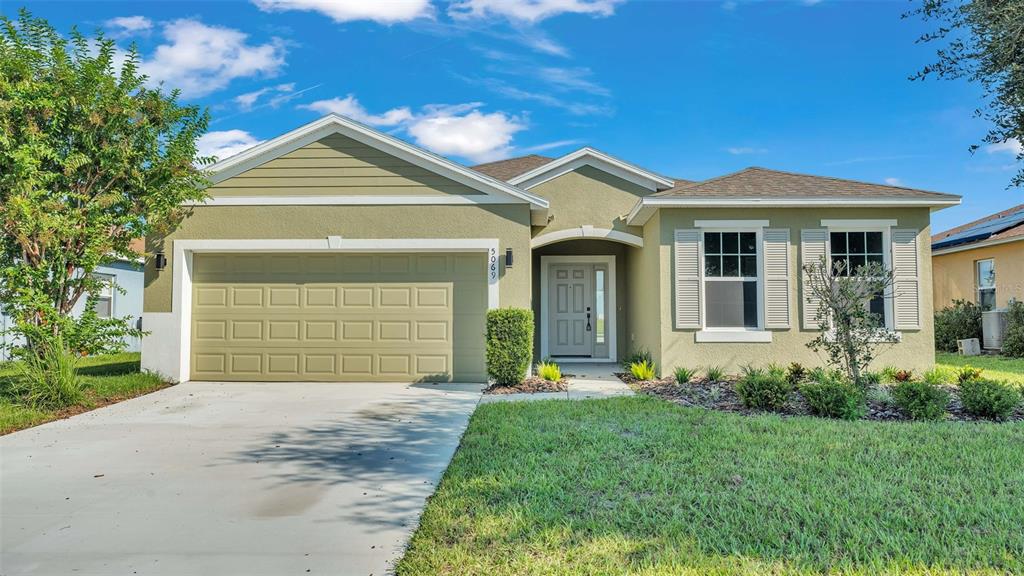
(1000, 367)
(107, 379)
(642, 486)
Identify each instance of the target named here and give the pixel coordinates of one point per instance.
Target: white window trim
(889, 333)
(733, 334)
(110, 280)
(177, 336)
(610, 297)
(977, 281)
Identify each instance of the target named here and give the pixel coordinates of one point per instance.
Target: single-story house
(127, 275)
(981, 261)
(336, 252)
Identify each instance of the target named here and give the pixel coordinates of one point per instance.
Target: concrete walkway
(586, 381)
(206, 478)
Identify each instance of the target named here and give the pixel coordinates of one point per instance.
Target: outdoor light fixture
(508, 257)
(161, 261)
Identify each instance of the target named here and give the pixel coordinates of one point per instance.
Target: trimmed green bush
(920, 400)
(644, 370)
(830, 394)
(1013, 343)
(988, 398)
(960, 321)
(509, 344)
(763, 390)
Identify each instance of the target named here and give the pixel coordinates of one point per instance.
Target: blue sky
(690, 90)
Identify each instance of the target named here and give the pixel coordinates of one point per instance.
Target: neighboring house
(337, 252)
(981, 261)
(128, 275)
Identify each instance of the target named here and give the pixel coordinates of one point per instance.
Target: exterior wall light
(160, 261)
(508, 257)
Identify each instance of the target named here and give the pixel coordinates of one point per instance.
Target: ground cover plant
(642, 486)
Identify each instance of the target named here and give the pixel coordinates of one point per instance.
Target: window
(104, 305)
(985, 278)
(730, 280)
(853, 250)
(599, 337)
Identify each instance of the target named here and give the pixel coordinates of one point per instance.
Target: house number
(493, 264)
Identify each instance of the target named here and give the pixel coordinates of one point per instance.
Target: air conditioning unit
(993, 328)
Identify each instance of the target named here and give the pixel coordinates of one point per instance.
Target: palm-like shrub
(683, 374)
(644, 370)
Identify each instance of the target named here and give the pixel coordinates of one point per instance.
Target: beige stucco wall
(678, 347)
(954, 273)
(509, 223)
(645, 286)
(588, 196)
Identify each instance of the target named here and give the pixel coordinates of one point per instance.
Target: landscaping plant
(938, 376)
(49, 378)
(988, 398)
(850, 332)
(643, 370)
(683, 374)
(1013, 342)
(549, 371)
(830, 393)
(920, 400)
(763, 389)
(960, 321)
(509, 343)
(714, 373)
(796, 373)
(637, 355)
(967, 373)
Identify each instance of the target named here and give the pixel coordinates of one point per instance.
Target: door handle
(588, 318)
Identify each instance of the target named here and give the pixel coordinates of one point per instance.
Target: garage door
(339, 317)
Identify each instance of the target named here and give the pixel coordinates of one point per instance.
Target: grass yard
(107, 379)
(641, 486)
(1000, 367)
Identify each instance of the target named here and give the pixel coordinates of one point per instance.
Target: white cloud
(894, 181)
(200, 59)
(740, 150)
(1012, 146)
(351, 108)
(549, 146)
(123, 26)
(474, 135)
(382, 11)
(276, 95)
(225, 143)
(530, 10)
(572, 79)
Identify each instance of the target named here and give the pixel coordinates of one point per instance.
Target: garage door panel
(390, 317)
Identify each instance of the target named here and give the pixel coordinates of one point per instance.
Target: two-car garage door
(338, 317)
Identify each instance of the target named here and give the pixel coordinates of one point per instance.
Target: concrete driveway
(206, 478)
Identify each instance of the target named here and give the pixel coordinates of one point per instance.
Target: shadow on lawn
(391, 454)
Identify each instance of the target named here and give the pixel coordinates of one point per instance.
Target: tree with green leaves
(90, 158)
(983, 43)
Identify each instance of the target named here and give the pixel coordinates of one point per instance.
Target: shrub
(869, 380)
(891, 375)
(714, 373)
(960, 321)
(639, 355)
(830, 394)
(644, 370)
(1013, 342)
(879, 395)
(967, 373)
(684, 375)
(49, 377)
(796, 373)
(988, 398)
(549, 371)
(920, 400)
(763, 389)
(509, 344)
(938, 376)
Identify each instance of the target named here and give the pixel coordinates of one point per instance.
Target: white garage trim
(172, 335)
(587, 232)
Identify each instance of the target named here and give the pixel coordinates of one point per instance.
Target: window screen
(730, 280)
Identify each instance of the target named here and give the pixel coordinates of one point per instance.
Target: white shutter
(687, 278)
(813, 248)
(906, 288)
(776, 278)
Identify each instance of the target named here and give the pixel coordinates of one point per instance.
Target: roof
(762, 183)
(588, 156)
(1005, 225)
(512, 167)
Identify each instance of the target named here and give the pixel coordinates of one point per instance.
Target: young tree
(90, 158)
(850, 331)
(984, 43)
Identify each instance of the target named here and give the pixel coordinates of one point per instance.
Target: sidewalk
(586, 381)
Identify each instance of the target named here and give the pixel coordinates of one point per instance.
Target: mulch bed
(531, 385)
(721, 395)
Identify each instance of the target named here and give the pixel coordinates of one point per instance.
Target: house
(981, 261)
(112, 303)
(337, 252)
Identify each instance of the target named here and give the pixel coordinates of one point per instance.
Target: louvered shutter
(906, 287)
(687, 278)
(776, 278)
(813, 248)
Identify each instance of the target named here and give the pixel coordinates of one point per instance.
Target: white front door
(571, 316)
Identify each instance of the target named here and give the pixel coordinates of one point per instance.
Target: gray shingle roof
(508, 169)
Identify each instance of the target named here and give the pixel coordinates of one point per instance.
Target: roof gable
(511, 167)
(597, 159)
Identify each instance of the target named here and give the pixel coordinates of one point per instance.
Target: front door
(572, 319)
